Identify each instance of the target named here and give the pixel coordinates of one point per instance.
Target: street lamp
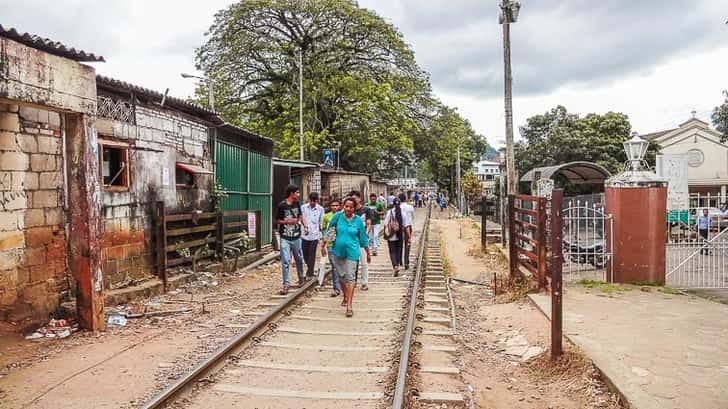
(509, 14)
(210, 95)
(635, 148)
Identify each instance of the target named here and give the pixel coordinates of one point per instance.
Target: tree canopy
(719, 117)
(362, 87)
(558, 136)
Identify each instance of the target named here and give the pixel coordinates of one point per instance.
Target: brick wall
(32, 227)
(158, 140)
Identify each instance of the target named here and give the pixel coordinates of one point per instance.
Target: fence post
(159, 217)
(258, 231)
(557, 259)
(483, 223)
(512, 253)
(220, 235)
(541, 240)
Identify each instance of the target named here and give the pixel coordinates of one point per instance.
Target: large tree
(720, 118)
(446, 133)
(362, 87)
(558, 137)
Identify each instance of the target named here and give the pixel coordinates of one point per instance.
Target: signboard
(328, 159)
(165, 176)
(251, 225)
(674, 168)
(544, 188)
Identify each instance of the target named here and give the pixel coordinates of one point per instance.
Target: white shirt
(314, 217)
(408, 214)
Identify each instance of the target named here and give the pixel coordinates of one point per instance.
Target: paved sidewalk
(661, 351)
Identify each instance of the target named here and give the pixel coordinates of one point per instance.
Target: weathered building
(151, 148)
(338, 183)
(50, 206)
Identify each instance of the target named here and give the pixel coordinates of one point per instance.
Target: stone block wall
(157, 140)
(340, 184)
(33, 262)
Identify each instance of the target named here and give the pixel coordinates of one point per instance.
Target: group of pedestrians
(349, 232)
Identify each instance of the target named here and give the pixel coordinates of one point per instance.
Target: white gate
(587, 238)
(694, 262)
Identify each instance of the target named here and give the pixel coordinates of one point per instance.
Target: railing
(186, 238)
(527, 236)
(693, 261)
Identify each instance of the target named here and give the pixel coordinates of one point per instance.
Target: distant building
(488, 173)
(707, 156)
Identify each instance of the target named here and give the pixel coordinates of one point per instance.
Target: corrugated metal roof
(48, 45)
(178, 103)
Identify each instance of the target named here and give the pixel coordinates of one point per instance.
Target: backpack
(392, 226)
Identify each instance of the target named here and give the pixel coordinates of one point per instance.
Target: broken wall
(33, 263)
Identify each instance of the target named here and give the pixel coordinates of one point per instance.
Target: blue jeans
(334, 273)
(374, 237)
(288, 247)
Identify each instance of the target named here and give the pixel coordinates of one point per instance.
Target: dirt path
(128, 364)
(494, 332)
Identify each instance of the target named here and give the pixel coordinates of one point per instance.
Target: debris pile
(54, 329)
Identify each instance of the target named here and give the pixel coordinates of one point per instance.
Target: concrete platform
(660, 351)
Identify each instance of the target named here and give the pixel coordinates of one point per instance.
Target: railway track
(301, 351)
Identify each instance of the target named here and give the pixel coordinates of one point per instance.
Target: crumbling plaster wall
(33, 267)
(159, 140)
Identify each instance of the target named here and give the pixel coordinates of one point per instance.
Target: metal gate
(587, 238)
(693, 262)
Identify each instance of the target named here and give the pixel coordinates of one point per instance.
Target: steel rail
(171, 391)
(398, 401)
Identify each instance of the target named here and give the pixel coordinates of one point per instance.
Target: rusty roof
(172, 102)
(48, 45)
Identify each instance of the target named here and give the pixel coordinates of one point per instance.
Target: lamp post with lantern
(637, 201)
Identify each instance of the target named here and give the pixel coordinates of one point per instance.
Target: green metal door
(245, 177)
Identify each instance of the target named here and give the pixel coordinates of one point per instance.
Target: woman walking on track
(396, 234)
(351, 235)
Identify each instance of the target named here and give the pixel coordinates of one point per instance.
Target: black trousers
(704, 235)
(309, 255)
(406, 247)
(395, 252)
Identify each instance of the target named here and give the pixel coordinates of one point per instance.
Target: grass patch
(606, 288)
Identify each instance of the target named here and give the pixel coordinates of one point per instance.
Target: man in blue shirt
(703, 229)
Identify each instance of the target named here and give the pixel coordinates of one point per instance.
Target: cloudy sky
(655, 60)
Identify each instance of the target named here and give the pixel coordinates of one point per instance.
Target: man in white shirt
(408, 217)
(313, 214)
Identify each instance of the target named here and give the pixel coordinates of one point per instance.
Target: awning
(199, 170)
(575, 172)
(292, 163)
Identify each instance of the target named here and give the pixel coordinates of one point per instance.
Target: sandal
(335, 293)
(364, 287)
(343, 303)
(283, 291)
(349, 313)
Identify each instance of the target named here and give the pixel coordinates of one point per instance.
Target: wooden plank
(190, 230)
(327, 319)
(528, 254)
(312, 368)
(438, 333)
(440, 348)
(188, 244)
(236, 213)
(187, 216)
(286, 393)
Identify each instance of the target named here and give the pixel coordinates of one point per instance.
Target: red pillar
(84, 198)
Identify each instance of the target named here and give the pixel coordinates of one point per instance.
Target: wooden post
(483, 221)
(220, 235)
(160, 213)
(258, 231)
(541, 240)
(557, 259)
(512, 252)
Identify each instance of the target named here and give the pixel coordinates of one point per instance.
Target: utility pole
(459, 187)
(509, 14)
(300, 100)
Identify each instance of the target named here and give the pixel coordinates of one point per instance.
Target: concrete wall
(159, 140)
(33, 263)
(340, 184)
(36, 77)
